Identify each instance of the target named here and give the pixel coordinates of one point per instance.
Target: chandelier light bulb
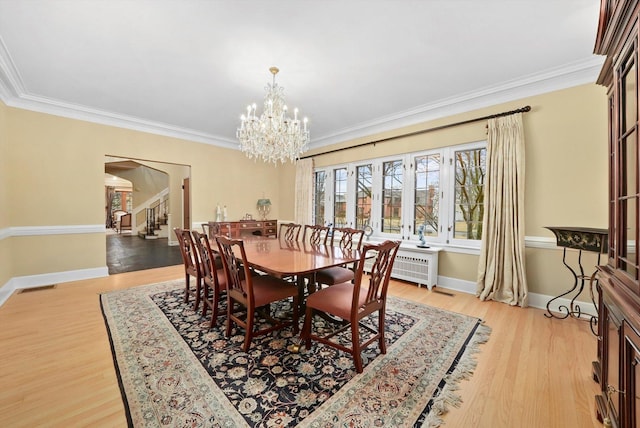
(272, 135)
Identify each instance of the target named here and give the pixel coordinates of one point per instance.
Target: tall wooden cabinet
(618, 353)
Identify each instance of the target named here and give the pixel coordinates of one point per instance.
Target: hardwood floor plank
(57, 369)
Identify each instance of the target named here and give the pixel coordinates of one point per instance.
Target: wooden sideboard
(243, 228)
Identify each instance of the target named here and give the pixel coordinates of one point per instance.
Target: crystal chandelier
(273, 136)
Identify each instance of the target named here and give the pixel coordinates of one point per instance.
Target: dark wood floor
(129, 253)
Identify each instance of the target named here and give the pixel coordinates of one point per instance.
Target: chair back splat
(354, 302)
(349, 239)
(234, 269)
(213, 276)
(191, 263)
(316, 234)
(376, 290)
(290, 231)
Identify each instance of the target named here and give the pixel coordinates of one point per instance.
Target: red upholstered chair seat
(336, 299)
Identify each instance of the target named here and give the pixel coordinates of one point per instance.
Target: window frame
(446, 197)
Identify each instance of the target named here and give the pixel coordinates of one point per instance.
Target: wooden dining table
(283, 259)
(279, 257)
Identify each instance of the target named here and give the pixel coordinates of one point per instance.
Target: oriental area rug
(174, 371)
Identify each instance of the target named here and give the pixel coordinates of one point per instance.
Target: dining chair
(207, 228)
(125, 222)
(289, 231)
(316, 234)
(253, 294)
(191, 265)
(350, 239)
(214, 280)
(353, 302)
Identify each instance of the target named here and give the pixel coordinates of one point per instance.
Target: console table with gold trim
(581, 239)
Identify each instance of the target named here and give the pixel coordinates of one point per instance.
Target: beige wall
(6, 263)
(565, 173)
(58, 164)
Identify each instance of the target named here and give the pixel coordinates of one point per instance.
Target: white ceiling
(189, 68)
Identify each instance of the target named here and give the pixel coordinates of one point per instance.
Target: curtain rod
(437, 128)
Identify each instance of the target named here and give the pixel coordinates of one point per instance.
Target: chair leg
(355, 339)
(198, 291)
(381, 341)
(214, 314)
(205, 299)
(249, 330)
(229, 312)
(187, 285)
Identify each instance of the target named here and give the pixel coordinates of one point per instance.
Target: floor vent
(40, 288)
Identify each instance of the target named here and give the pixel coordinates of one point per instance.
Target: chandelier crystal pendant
(273, 136)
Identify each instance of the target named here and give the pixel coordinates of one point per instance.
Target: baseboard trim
(31, 281)
(536, 300)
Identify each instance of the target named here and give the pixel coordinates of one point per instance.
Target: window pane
(363, 196)
(628, 102)
(469, 193)
(129, 199)
(117, 201)
(318, 206)
(340, 197)
(629, 200)
(427, 192)
(391, 196)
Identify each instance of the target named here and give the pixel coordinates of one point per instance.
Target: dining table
(282, 258)
(294, 259)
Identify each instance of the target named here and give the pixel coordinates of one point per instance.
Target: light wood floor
(56, 368)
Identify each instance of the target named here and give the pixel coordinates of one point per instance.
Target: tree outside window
(469, 193)
(427, 190)
(340, 197)
(392, 177)
(318, 206)
(364, 189)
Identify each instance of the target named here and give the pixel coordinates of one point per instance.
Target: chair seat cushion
(336, 300)
(267, 289)
(334, 275)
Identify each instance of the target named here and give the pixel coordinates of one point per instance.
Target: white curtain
(304, 192)
(501, 269)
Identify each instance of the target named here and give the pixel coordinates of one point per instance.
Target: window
(427, 191)
(440, 192)
(470, 167)
(122, 201)
(340, 197)
(318, 205)
(364, 189)
(392, 177)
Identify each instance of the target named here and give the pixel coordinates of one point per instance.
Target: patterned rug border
(461, 366)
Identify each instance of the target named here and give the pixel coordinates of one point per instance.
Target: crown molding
(14, 94)
(573, 74)
(74, 111)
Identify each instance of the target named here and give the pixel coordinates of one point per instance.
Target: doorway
(158, 204)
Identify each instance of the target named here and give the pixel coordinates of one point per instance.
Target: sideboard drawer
(242, 228)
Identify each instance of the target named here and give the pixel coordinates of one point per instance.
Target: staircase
(156, 221)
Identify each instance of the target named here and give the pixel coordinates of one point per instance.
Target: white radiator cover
(419, 265)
